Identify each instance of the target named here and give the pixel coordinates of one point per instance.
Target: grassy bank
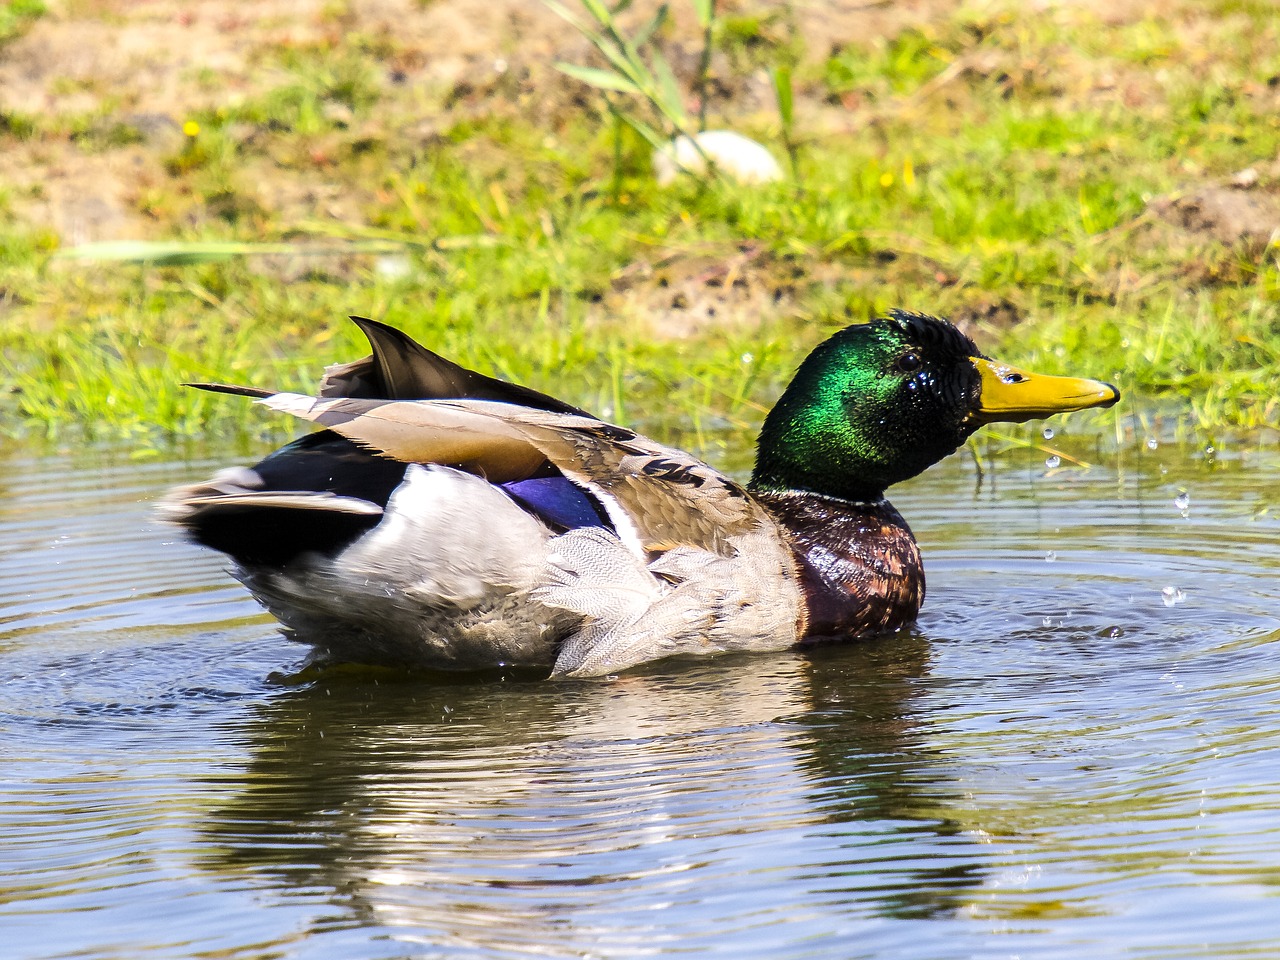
(1065, 185)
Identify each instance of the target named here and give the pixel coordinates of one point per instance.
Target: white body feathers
(457, 576)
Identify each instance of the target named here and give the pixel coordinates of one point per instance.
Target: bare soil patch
(151, 64)
(1242, 212)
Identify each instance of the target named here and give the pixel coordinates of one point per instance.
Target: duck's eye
(909, 363)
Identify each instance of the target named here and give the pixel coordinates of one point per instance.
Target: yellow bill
(1013, 395)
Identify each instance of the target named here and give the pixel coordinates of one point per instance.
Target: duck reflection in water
(799, 796)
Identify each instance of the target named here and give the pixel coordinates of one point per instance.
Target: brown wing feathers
(505, 432)
(669, 497)
(400, 429)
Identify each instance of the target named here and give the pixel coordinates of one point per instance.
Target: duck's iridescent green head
(879, 402)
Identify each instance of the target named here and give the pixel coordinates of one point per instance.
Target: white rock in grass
(733, 154)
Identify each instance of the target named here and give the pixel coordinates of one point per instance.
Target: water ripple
(1076, 754)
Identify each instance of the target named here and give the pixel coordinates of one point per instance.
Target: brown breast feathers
(860, 568)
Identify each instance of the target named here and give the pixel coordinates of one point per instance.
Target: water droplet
(748, 359)
(1051, 556)
(1183, 502)
(1172, 596)
(1047, 433)
(1152, 443)
(1053, 462)
(1046, 622)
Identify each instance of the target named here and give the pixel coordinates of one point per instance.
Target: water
(1060, 763)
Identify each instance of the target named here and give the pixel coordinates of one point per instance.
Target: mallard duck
(449, 520)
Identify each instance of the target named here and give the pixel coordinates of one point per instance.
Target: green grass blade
(567, 15)
(601, 79)
(645, 33)
(162, 252)
(655, 139)
(670, 100)
(179, 253)
(782, 88)
(599, 11)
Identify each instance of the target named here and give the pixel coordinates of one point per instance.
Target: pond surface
(1077, 754)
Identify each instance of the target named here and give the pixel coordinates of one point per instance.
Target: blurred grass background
(1087, 187)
